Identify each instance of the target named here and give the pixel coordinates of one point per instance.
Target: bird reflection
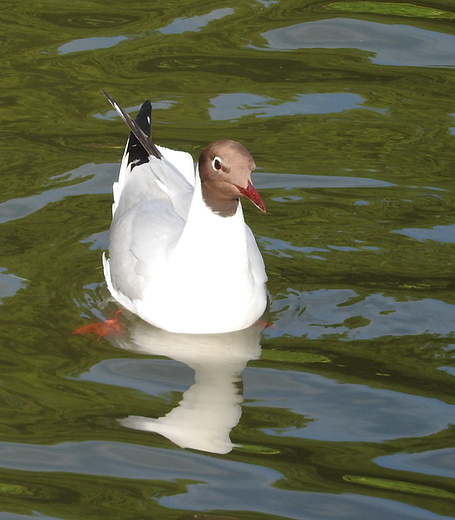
(211, 407)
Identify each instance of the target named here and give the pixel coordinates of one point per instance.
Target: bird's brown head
(225, 169)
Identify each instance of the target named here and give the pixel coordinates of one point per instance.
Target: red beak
(250, 193)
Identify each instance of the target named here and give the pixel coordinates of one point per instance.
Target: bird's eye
(216, 164)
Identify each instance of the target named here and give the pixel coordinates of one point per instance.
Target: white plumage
(178, 258)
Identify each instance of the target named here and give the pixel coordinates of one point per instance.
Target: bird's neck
(208, 227)
(220, 205)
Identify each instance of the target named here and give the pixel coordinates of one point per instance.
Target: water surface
(344, 406)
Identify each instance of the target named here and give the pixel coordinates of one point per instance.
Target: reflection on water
(234, 106)
(9, 283)
(195, 23)
(436, 462)
(437, 233)
(210, 408)
(345, 412)
(90, 44)
(391, 44)
(342, 311)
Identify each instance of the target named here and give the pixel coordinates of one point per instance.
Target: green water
(348, 406)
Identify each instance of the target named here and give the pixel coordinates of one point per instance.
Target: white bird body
(175, 262)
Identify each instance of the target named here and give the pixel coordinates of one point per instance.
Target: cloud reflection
(90, 44)
(233, 106)
(195, 23)
(400, 45)
(315, 314)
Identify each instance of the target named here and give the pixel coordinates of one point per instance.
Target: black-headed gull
(180, 254)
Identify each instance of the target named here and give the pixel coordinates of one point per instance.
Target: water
(344, 406)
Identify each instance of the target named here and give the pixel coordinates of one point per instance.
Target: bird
(181, 256)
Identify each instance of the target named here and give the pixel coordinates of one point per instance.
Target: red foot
(103, 328)
(266, 324)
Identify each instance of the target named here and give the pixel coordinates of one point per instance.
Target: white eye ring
(216, 164)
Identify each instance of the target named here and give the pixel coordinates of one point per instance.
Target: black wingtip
(144, 117)
(136, 152)
(140, 128)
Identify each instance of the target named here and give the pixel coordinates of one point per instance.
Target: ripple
(209, 483)
(399, 45)
(239, 104)
(88, 179)
(314, 314)
(195, 23)
(9, 284)
(90, 44)
(434, 462)
(344, 412)
(437, 233)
